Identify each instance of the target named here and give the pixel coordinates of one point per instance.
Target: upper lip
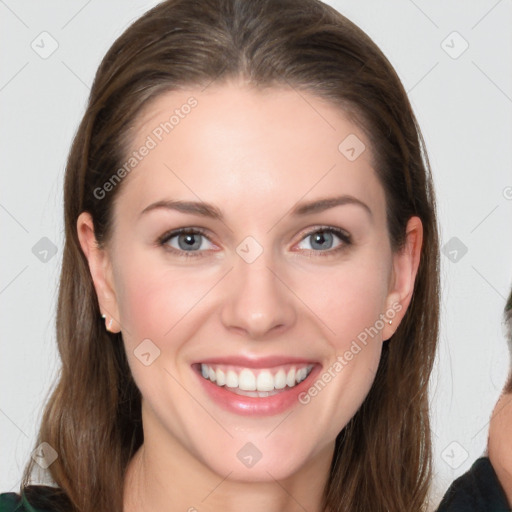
(256, 362)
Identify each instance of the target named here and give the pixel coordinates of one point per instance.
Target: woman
(248, 305)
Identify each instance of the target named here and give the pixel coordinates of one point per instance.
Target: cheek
(153, 298)
(351, 312)
(158, 303)
(347, 299)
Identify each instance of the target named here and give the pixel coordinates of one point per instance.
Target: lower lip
(252, 406)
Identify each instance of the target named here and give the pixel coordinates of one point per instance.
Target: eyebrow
(208, 210)
(193, 207)
(321, 205)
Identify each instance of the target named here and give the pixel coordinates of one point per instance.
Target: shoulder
(34, 498)
(9, 502)
(12, 502)
(477, 490)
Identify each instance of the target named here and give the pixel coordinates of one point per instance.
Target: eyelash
(341, 234)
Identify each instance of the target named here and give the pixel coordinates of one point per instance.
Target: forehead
(244, 144)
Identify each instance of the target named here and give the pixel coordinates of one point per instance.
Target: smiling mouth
(261, 382)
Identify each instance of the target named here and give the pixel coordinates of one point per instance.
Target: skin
(254, 154)
(499, 446)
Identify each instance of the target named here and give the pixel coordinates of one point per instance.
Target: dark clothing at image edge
(477, 490)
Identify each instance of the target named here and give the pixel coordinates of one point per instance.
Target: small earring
(109, 325)
(390, 322)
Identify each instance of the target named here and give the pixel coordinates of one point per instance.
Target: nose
(258, 302)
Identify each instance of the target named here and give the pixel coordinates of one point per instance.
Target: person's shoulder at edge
(34, 498)
(477, 490)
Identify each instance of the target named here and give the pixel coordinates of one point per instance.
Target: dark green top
(11, 502)
(477, 490)
(35, 498)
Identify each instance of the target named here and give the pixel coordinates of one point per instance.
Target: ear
(101, 271)
(405, 267)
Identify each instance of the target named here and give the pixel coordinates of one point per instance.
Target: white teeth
(262, 382)
(280, 380)
(247, 380)
(301, 374)
(221, 377)
(290, 378)
(265, 381)
(231, 379)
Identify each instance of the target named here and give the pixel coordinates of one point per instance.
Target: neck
(165, 476)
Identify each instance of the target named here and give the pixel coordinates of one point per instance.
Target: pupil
(188, 241)
(322, 238)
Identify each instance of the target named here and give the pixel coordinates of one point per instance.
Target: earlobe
(405, 268)
(100, 269)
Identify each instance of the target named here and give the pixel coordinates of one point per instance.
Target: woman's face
(286, 273)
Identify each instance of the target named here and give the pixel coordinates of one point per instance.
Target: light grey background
(464, 106)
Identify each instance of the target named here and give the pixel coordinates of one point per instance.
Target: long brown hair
(382, 459)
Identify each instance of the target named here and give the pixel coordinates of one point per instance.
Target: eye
(193, 242)
(187, 242)
(326, 240)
